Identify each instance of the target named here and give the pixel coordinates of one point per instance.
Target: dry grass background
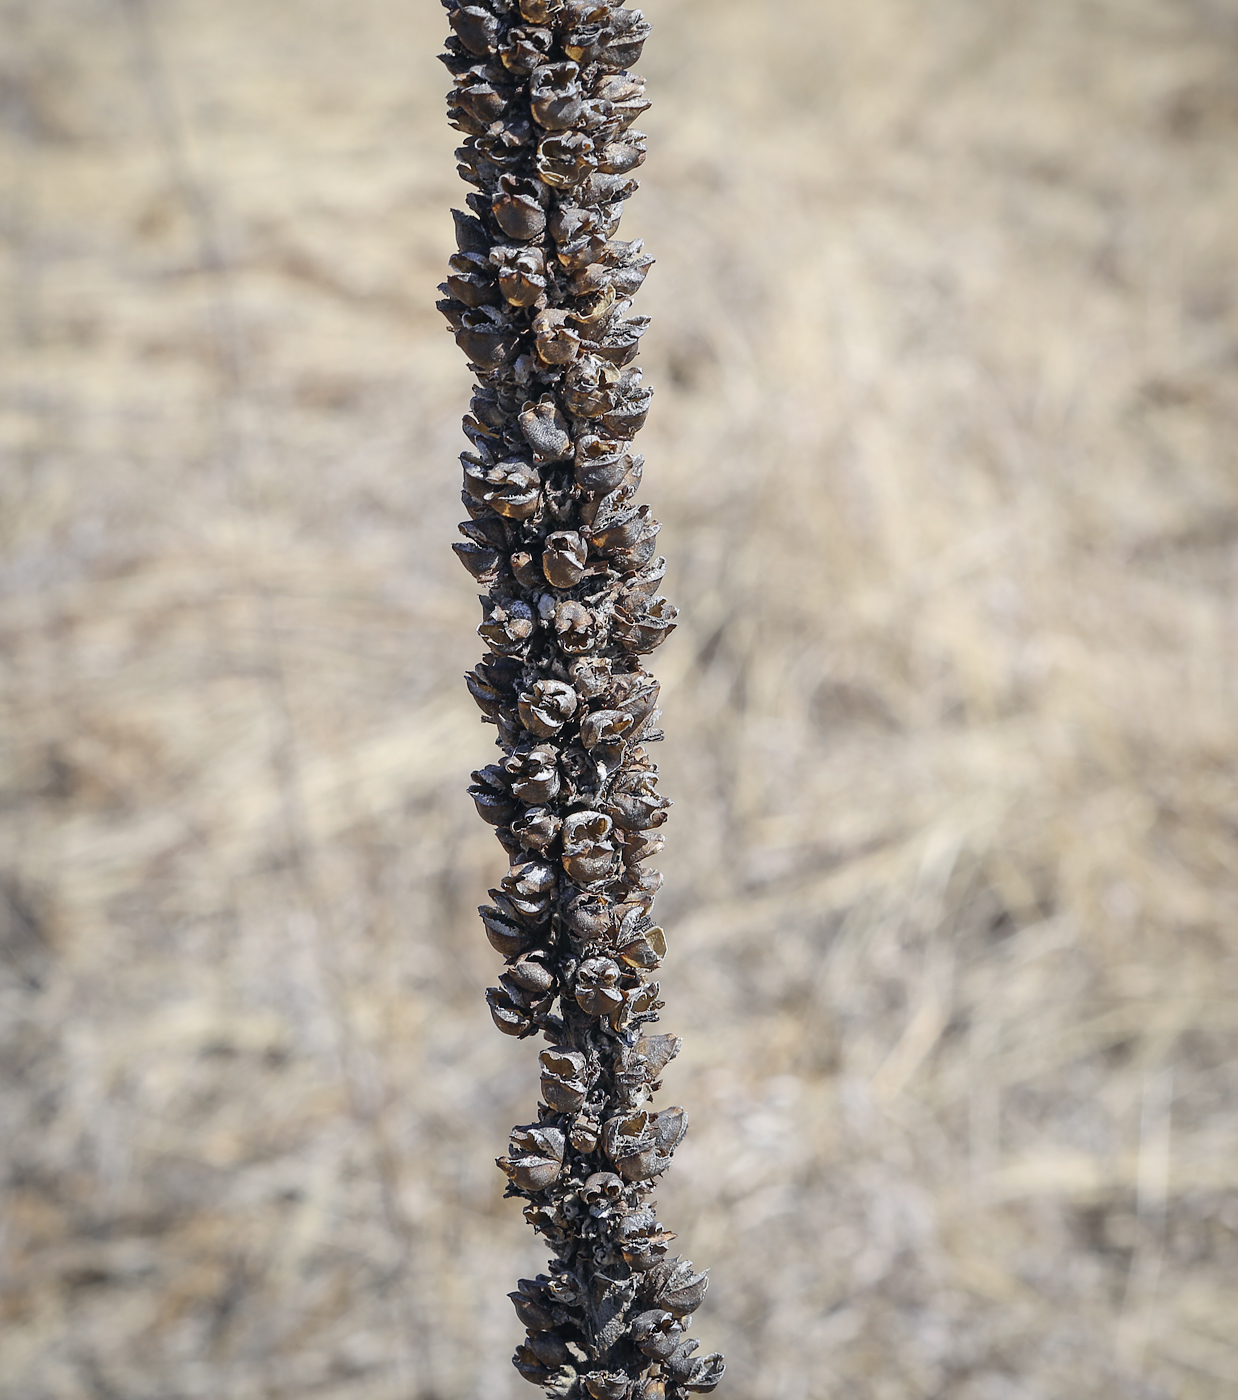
(945, 346)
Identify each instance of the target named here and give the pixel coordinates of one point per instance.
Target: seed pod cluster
(538, 297)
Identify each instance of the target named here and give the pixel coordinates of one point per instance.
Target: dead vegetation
(951, 878)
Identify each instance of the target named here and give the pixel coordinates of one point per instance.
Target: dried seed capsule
(670, 1127)
(531, 1368)
(487, 408)
(634, 803)
(706, 1373)
(471, 282)
(508, 1014)
(534, 1158)
(534, 774)
(588, 854)
(643, 1243)
(563, 1288)
(656, 1333)
(563, 1079)
(591, 387)
(523, 49)
(591, 676)
(569, 221)
(480, 560)
(530, 983)
(681, 1289)
(631, 406)
(453, 312)
(485, 337)
(519, 208)
(563, 559)
(629, 30)
(546, 708)
(607, 189)
(618, 157)
(508, 626)
(604, 733)
(625, 94)
(597, 987)
(643, 950)
(476, 103)
(645, 582)
(521, 274)
(471, 235)
(620, 268)
(537, 829)
(506, 936)
(640, 700)
(621, 340)
(532, 1307)
(545, 430)
(629, 1142)
(601, 1192)
(577, 629)
(512, 488)
(565, 159)
(588, 915)
(594, 313)
(640, 846)
(658, 1051)
(623, 530)
(548, 1221)
(554, 340)
(529, 888)
(477, 29)
(491, 795)
(551, 1350)
(584, 1134)
(679, 1365)
(607, 1385)
(524, 569)
(539, 11)
(642, 631)
(645, 879)
(523, 1001)
(596, 511)
(578, 254)
(601, 464)
(555, 96)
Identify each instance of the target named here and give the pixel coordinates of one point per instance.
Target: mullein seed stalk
(539, 298)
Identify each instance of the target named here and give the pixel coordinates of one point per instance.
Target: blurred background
(946, 447)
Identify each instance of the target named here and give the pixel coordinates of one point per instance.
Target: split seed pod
(597, 987)
(563, 1079)
(535, 1157)
(563, 560)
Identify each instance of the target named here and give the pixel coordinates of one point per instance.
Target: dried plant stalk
(539, 299)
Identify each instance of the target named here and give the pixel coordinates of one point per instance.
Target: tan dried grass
(944, 343)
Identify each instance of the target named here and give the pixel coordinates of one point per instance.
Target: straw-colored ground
(945, 348)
